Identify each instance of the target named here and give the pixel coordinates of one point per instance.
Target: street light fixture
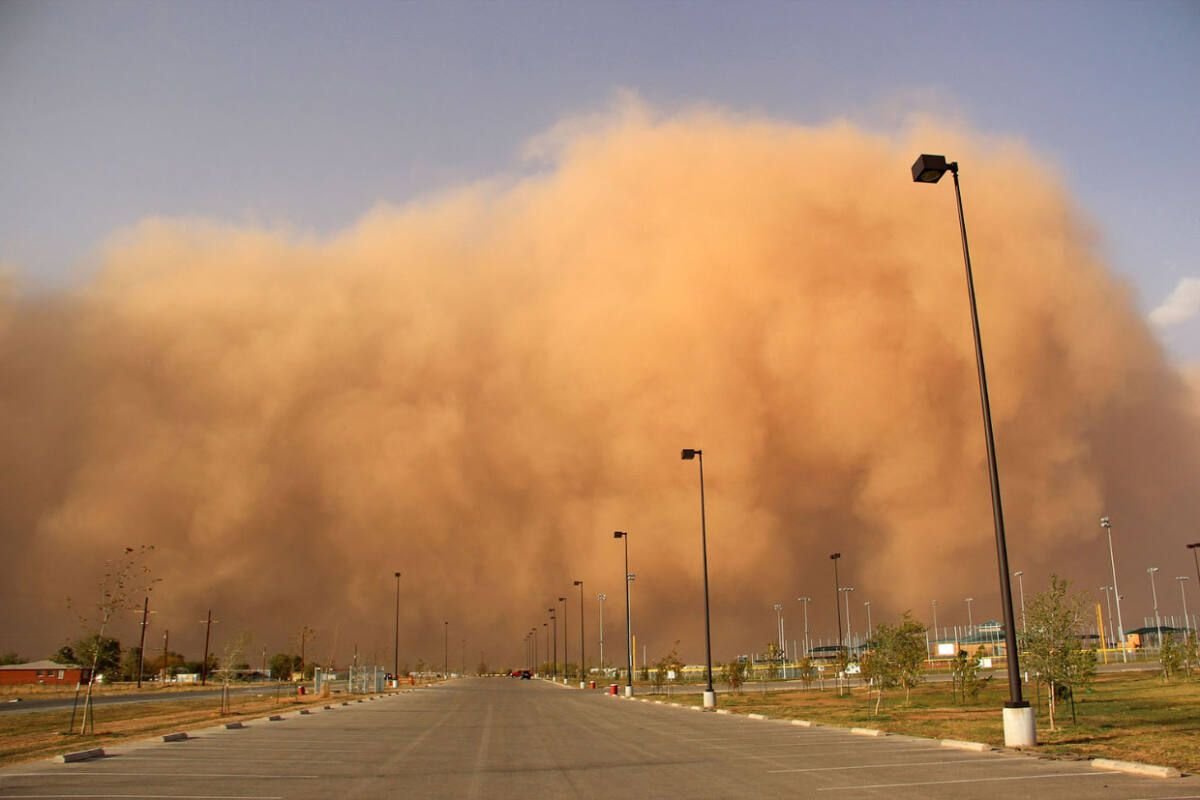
(806, 601)
(710, 695)
(582, 661)
(837, 587)
(1106, 523)
(1020, 727)
(628, 629)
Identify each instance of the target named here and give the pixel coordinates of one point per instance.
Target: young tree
(125, 578)
(734, 674)
(964, 670)
(773, 658)
(897, 657)
(807, 671)
(1050, 644)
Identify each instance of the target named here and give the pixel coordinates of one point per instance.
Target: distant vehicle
(526, 675)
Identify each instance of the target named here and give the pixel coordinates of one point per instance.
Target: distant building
(43, 673)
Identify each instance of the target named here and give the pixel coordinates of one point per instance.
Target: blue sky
(307, 114)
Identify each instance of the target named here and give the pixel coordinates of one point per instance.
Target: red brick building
(43, 673)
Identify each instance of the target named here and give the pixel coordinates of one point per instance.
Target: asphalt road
(502, 738)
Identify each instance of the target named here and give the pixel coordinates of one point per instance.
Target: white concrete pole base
(1020, 727)
(582, 685)
(629, 691)
(710, 699)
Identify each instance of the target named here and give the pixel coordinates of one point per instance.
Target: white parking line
(966, 780)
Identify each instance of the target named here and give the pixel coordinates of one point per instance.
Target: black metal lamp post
(710, 696)
(396, 636)
(628, 630)
(1019, 721)
(582, 662)
(837, 588)
(566, 658)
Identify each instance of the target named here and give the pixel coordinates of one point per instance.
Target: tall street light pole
(1187, 622)
(1020, 576)
(846, 590)
(628, 629)
(582, 661)
(779, 627)
(546, 626)
(970, 619)
(1020, 726)
(1154, 593)
(566, 658)
(1106, 523)
(710, 695)
(837, 587)
(554, 638)
(446, 648)
(805, 601)
(600, 598)
(870, 627)
(396, 636)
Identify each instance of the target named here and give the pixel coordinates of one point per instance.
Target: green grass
(1128, 716)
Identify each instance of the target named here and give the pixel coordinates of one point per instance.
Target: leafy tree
(1177, 655)
(806, 670)
(668, 664)
(102, 652)
(964, 671)
(896, 658)
(65, 655)
(774, 657)
(283, 665)
(1051, 646)
(734, 674)
(11, 657)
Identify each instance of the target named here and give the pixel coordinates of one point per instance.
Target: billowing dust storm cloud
(477, 389)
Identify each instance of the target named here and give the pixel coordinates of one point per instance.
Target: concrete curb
(233, 726)
(81, 755)
(803, 723)
(274, 718)
(958, 744)
(724, 711)
(175, 737)
(305, 711)
(1134, 768)
(758, 716)
(867, 732)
